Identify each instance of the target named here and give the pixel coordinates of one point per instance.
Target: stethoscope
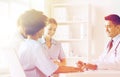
(116, 49)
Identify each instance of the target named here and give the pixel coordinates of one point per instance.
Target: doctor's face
(111, 29)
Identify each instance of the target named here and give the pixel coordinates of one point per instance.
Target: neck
(115, 35)
(32, 37)
(48, 41)
(47, 38)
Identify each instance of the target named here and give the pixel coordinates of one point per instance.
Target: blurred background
(81, 27)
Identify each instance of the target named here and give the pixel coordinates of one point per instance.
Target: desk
(97, 73)
(5, 75)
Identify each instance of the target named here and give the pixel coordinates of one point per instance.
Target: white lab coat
(111, 60)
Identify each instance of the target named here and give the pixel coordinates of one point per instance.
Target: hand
(56, 62)
(91, 66)
(80, 64)
(83, 65)
(81, 70)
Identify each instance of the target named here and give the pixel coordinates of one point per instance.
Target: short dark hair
(114, 18)
(32, 21)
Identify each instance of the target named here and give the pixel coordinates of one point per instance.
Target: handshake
(86, 66)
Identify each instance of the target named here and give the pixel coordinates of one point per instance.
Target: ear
(118, 27)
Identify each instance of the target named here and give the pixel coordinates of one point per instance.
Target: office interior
(81, 26)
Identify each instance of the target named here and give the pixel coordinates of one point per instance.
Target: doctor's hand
(81, 65)
(91, 66)
(86, 66)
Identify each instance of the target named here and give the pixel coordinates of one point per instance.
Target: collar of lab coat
(116, 38)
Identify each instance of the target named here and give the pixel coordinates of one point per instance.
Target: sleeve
(43, 63)
(61, 54)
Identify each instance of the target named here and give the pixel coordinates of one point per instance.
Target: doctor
(110, 59)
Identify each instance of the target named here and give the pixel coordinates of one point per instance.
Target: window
(73, 22)
(9, 13)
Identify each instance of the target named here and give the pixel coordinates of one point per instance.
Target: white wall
(101, 8)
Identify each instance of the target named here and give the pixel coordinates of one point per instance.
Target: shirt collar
(116, 37)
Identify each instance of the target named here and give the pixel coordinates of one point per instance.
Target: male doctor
(110, 58)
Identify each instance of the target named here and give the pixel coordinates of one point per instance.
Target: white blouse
(34, 61)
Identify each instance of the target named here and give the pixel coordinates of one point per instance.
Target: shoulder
(56, 42)
(29, 44)
(119, 37)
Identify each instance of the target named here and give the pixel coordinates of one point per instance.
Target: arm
(86, 66)
(91, 66)
(61, 56)
(68, 69)
(62, 62)
(53, 68)
(43, 63)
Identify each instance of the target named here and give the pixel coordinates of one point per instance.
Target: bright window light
(9, 13)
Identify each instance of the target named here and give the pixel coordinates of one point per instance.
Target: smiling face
(112, 29)
(50, 30)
